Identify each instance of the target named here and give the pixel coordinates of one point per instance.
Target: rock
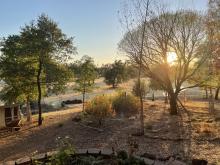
(148, 161)
(51, 153)
(106, 152)
(199, 162)
(39, 157)
(94, 151)
(132, 118)
(23, 161)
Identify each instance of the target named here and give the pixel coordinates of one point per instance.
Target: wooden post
(12, 113)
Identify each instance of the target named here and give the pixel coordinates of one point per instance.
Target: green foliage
(143, 88)
(64, 156)
(154, 85)
(57, 75)
(17, 72)
(85, 81)
(99, 108)
(86, 75)
(122, 155)
(40, 46)
(115, 73)
(89, 160)
(126, 104)
(68, 157)
(45, 43)
(124, 159)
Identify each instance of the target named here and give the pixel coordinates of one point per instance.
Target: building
(9, 116)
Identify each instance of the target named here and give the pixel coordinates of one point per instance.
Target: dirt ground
(192, 134)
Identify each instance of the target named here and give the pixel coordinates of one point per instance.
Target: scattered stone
(49, 154)
(106, 152)
(94, 151)
(39, 157)
(199, 162)
(148, 161)
(23, 161)
(132, 118)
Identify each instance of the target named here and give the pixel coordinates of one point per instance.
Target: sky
(94, 24)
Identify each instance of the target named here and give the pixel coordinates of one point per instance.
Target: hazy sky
(93, 23)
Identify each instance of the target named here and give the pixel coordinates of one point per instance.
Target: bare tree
(178, 32)
(136, 53)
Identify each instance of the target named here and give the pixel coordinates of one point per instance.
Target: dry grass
(204, 128)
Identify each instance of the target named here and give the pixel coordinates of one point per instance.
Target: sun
(171, 57)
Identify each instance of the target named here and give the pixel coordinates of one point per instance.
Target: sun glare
(171, 57)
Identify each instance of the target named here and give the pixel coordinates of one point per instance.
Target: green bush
(144, 88)
(99, 108)
(67, 156)
(125, 104)
(64, 156)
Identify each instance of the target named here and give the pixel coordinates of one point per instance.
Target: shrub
(64, 155)
(144, 89)
(99, 108)
(125, 104)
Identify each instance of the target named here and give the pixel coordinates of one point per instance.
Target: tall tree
(45, 42)
(18, 74)
(181, 32)
(115, 73)
(85, 80)
(138, 48)
(213, 31)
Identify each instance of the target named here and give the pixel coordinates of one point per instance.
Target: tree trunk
(140, 69)
(216, 93)
(113, 85)
(173, 104)
(84, 92)
(142, 107)
(39, 93)
(211, 101)
(206, 93)
(28, 110)
(153, 96)
(166, 98)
